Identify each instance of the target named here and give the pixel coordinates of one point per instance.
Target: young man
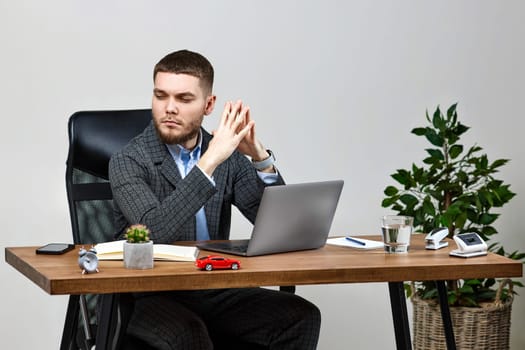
(181, 182)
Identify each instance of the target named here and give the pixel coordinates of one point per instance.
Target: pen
(355, 240)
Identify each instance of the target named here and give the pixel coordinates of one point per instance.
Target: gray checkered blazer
(148, 189)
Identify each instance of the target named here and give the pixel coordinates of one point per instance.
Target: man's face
(179, 105)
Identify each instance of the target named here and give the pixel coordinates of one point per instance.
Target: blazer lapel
(169, 170)
(161, 156)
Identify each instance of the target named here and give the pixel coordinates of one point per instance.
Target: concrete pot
(138, 256)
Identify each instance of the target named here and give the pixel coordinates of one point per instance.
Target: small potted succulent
(138, 248)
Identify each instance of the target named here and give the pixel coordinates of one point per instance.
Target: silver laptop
(290, 217)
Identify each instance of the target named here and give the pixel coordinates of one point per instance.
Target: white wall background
(335, 86)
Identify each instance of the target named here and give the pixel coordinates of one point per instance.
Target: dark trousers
(213, 319)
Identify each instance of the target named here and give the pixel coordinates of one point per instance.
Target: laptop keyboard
(238, 247)
(241, 247)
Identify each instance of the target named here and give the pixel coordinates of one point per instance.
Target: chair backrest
(93, 137)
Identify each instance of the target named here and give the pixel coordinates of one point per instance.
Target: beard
(170, 138)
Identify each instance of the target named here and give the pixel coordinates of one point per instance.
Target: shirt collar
(176, 150)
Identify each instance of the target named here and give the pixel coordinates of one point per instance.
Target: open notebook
(114, 251)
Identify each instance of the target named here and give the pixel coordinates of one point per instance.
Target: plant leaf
(460, 129)
(419, 131)
(498, 162)
(451, 110)
(438, 121)
(408, 199)
(391, 191)
(455, 151)
(428, 207)
(435, 153)
(472, 282)
(388, 202)
(402, 176)
(434, 138)
(487, 219)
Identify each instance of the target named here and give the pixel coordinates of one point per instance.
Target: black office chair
(93, 138)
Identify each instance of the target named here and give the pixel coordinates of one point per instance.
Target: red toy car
(211, 262)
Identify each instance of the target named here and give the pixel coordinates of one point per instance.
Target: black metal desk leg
(107, 320)
(400, 315)
(70, 325)
(445, 315)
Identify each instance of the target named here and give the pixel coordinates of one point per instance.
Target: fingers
(240, 120)
(235, 116)
(225, 113)
(251, 134)
(236, 131)
(245, 131)
(230, 112)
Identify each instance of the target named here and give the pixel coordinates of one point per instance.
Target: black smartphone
(55, 248)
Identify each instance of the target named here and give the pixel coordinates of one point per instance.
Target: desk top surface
(60, 274)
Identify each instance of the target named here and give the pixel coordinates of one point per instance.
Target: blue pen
(355, 240)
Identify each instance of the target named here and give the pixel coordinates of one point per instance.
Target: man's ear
(210, 104)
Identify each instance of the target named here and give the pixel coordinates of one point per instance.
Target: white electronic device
(436, 238)
(469, 244)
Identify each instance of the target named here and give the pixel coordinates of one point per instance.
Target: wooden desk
(332, 264)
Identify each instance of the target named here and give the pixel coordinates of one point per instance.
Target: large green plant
(455, 188)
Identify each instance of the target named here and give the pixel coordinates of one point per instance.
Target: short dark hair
(187, 62)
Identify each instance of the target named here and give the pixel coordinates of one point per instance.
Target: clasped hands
(236, 131)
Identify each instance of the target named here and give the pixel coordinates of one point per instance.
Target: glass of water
(396, 230)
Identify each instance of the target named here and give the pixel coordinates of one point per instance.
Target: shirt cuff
(268, 178)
